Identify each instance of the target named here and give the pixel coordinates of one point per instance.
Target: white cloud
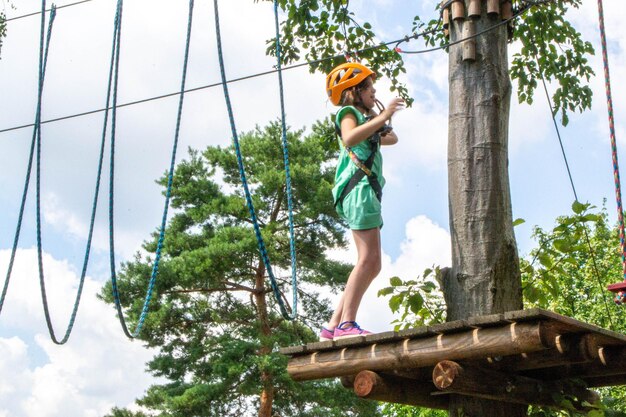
(97, 369)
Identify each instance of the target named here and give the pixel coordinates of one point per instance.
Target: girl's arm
(352, 134)
(389, 139)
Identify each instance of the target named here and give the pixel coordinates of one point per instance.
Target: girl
(358, 182)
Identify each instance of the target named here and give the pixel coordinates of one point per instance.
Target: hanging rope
(43, 58)
(155, 266)
(619, 299)
(292, 239)
(244, 181)
(42, 283)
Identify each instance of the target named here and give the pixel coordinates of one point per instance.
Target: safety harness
(365, 167)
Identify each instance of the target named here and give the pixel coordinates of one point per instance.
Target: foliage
(3, 28)
(418, 301)
(551, 48)
(399, 410)
(567, 273)
(572, 265)
(213, 316)
(3, 23)
(323, 31)
(120, 412)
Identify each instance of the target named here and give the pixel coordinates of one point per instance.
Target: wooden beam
(512, 339)
(568, 349)
(609, 361)
(393, 389)
(452, 378)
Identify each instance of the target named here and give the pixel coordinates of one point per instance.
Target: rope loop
(257, 230)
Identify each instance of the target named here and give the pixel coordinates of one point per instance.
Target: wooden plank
(560, 325)
(451, 327)
(563, 324)
(415, 353)
(491, 320)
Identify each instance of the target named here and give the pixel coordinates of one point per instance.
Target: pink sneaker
(326, 334)
(349, 329)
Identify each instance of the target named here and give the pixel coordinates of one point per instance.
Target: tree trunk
(266, 399)
(484, 277)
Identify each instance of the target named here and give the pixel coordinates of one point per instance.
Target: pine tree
(213, 317)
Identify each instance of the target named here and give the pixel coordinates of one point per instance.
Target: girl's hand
(393, 106)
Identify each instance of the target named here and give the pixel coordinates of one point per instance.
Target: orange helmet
(343, 77)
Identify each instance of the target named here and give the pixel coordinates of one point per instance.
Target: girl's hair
(352, 96)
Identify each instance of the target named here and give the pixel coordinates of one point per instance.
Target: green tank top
(345, 167)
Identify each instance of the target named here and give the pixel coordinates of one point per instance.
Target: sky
(99, 368)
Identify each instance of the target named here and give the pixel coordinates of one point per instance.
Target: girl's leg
(366, 269)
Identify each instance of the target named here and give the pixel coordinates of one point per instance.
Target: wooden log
(473, 9)
(610, 361)
(372, 386)
(469, 46)
(458, 10)
(513, 339)
(493, 7)
(569, 349)
(452, 378)
(446, 18)
(506, 10)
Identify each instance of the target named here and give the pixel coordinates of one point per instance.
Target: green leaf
(562, 245)
(578, 207)
(385, 291)
(395, 281)
(518, 221)
(416, 302)
(395, 302)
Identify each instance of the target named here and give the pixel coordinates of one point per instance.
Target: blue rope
(244, 181)
(36, 130)
(42, 283)
(292, 240)
(155, 267)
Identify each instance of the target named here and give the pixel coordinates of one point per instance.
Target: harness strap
(365, 169)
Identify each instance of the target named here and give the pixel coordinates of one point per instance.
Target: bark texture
(484, 277)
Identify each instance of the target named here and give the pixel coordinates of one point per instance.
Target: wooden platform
(521, 356)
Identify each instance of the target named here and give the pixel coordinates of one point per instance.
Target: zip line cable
(47, 10)
(159, 97)
(587, 239)
(517, 14)
(571, 180)
(397, 42)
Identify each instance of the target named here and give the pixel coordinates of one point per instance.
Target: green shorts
(361, 209)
